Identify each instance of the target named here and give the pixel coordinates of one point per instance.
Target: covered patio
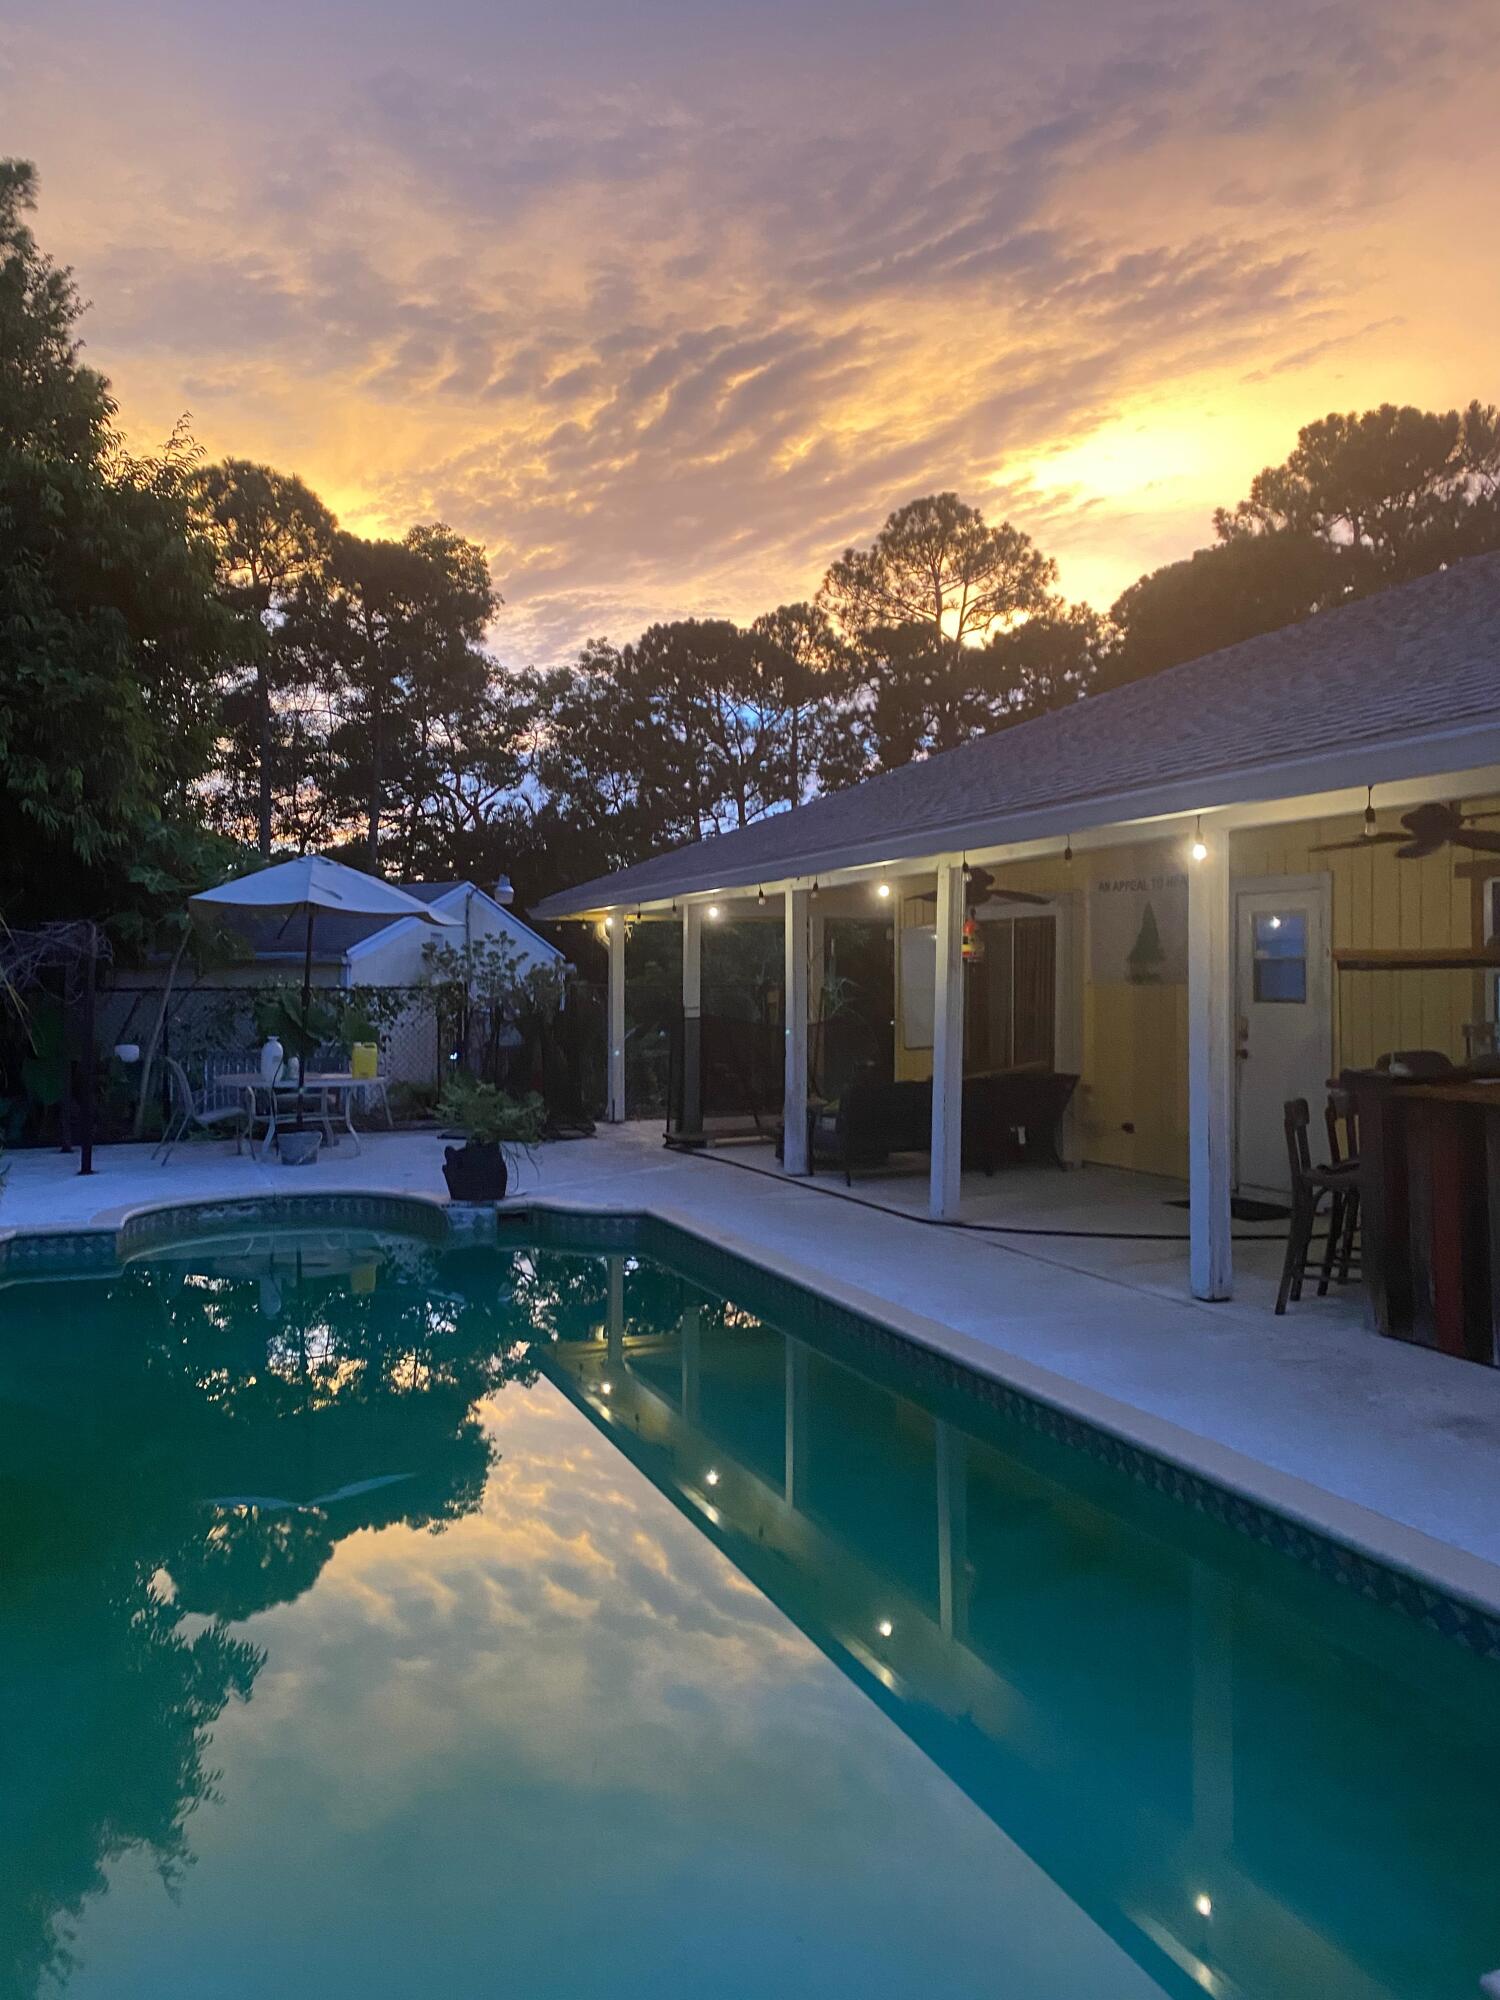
(1200, 896)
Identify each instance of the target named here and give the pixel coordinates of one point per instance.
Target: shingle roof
(1418, 661)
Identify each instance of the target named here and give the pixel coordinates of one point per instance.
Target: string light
(713, 911)
(1204, 1905)
(885, 1628)
(1200, 845)
(1068, 850)
(882, 889)
(760, 896)
(812, 894)
(1371, 826)
(711, 1476)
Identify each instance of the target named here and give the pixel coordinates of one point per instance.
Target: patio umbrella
(303, 888)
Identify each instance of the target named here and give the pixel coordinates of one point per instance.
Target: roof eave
(1429, 753)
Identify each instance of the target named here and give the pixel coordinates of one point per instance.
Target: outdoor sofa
(1010, 1114)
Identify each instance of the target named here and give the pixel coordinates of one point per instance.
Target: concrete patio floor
(1359, 1422)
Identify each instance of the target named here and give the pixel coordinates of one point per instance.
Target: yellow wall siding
(1135, 1037)
(1382, 903)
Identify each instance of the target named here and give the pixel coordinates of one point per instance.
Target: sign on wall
(1138, 929)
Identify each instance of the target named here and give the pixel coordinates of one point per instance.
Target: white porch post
(614, 1110)
(948, 1042)
(692, 1019)
(794, 1097)
(1210, 1070)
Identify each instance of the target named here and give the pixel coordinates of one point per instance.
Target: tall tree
(1217, 596)
(1395, 491)
(806, 675)
(937, 581)
(110, 635)
(394, 630)
(51, 406)
(271, 536)
(1361, 502)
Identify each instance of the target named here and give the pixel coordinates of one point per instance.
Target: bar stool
(1309, 1185)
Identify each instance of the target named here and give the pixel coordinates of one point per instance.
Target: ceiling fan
(1428, 829)
(979, 887)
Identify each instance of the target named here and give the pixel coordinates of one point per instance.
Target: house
(1207, 892)
(348, 952)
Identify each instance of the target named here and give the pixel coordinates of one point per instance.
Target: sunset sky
(665, 302)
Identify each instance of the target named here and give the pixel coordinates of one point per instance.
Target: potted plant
(496, 1129)
(280, 1017)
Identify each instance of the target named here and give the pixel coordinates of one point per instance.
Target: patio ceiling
(1395, 689)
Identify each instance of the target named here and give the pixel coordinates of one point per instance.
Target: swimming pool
(381, 1616)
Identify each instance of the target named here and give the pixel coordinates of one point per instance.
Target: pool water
(383, 1618)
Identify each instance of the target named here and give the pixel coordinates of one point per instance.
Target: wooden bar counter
(1429, 1153)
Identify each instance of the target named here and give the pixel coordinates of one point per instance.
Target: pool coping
(1447, 1588)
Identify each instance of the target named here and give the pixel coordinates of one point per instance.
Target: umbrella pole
(306, 1010)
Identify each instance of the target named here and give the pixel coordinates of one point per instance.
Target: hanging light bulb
(1371, 826)
(812, 894)
(882, 890)
(1200, 845)
(1068, 850)
(760, 896)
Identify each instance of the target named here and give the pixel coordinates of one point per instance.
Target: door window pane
(1281, 957)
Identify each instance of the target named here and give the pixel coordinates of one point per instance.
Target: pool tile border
(1379, 1579)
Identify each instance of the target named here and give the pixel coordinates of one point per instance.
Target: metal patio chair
(211, 1110)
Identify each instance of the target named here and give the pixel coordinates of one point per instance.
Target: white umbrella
(302, 888)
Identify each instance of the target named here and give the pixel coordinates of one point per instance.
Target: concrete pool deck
(1392, 1447)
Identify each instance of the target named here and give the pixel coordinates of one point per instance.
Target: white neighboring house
(347, 952)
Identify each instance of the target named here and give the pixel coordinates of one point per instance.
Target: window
(1280, 948)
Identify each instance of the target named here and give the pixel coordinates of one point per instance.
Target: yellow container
(366, 1059)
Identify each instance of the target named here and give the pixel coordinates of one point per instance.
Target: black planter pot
(476, 1173)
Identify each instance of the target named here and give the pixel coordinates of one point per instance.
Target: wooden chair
(1309, 1185)
(1341, 1120)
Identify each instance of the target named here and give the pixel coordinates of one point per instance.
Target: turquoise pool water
(380, 1618)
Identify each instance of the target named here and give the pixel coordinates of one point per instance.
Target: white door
(1284, 1030)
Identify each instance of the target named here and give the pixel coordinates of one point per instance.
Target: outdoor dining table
(326, 1094)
